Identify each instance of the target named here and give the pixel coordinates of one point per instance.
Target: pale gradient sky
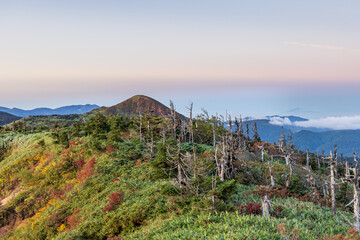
(255, 57)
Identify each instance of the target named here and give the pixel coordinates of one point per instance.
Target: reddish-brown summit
(137, 105)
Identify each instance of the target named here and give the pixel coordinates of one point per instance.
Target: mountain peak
(138, 104)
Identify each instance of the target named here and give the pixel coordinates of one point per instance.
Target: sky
(254, 58)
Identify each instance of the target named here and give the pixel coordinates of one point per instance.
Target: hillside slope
(100, 180)
(6, 118)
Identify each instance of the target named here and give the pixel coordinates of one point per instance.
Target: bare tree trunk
(287, 159)
(332, 185)
(272, 180)
(356, 200)
(173, 118)
(262, 154)
(266, 206)
(191, 124)
(307, 158)
(214, 131)
(179, 165)
(163, 135)
(318, 160)
(312, 181)
(347, 171)
(287, 183)
(335, 161)
(247, 132)
(355, 181)
(218, 165)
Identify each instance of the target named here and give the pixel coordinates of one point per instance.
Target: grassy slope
(55, 204)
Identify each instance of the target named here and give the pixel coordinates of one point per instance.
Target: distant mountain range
(6, 118)
(73, 109)
(315, 139)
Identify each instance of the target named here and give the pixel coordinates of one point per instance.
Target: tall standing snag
(354, 179)
(332, 184)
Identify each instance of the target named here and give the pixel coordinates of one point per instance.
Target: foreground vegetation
(118, 178)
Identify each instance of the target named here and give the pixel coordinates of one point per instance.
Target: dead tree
(266, 206)
(272, 180)
(312, 180)
(191, 127)
(173, 119)
(214, 125)
(179, 165)
(307, 158)
(335, 160)
(354, 179)
(223, 161)
(332, 184)
(255, 131)
(287, 154)
(247, 132)
(318, 159)
(347, 170)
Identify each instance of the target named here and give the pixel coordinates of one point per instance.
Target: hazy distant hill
(6, 118)
(136, 105)
(347, 140)
(315, 139)
(73, 109)
(130, 107)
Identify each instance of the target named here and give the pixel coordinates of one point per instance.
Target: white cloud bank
(280, 121)
(335, 123)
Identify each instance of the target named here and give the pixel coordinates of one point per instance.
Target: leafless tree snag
(312, 180)
(272, 180)
(354, 179)
(266, 206)
(332, 184)
(307, 158)
(173, 119)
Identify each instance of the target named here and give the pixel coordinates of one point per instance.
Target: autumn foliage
(87, 170)
(114, 200)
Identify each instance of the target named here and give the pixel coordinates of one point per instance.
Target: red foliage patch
(4, 230)
(138, 163)
(74, 219)
(270, 148)
(86, 171)
(110, 149)
(68, 187)
(74, 143)
(79, 163)
(116, 180)
(251, 209)
(287, 234)
(270, 192)
(114, 200)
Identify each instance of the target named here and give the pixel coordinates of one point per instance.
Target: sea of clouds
(335, 123)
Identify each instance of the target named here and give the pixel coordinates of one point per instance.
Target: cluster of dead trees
(229, 138)
(330, 186)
